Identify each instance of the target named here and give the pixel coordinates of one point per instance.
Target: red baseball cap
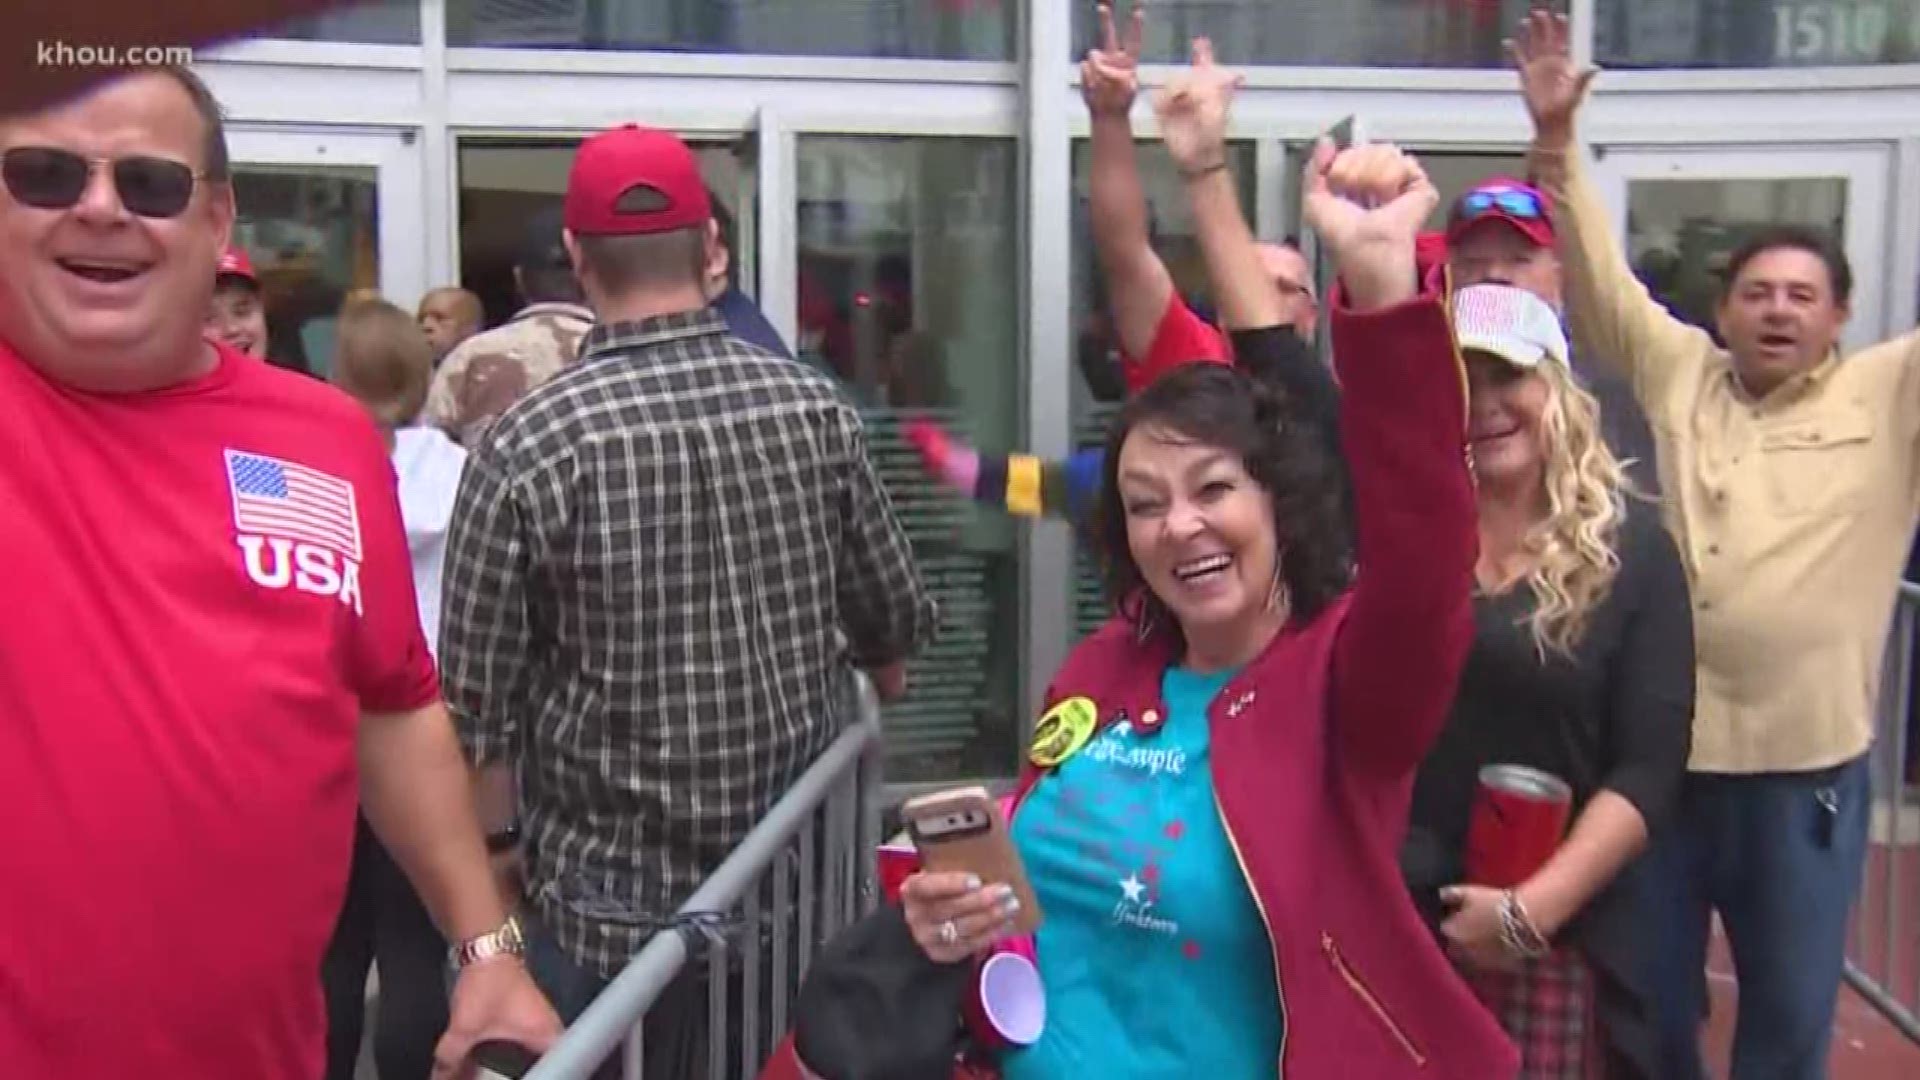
(1521, 206)
(234, 262)
(632, 180)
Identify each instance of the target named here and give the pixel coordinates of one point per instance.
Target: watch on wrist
(506, 941)
(504, 840)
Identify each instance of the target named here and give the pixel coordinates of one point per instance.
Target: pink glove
(955, 463)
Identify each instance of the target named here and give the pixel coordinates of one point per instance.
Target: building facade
(906, 182)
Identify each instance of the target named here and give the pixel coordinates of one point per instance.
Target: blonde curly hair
(1573, 549)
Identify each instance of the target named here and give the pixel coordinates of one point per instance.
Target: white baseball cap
(1510, 323)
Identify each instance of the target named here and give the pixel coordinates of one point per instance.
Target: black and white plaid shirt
(652, 561)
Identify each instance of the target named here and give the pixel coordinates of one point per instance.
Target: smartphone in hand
(963, 831)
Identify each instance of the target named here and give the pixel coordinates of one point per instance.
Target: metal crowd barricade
(1883, 944)
(801, 875)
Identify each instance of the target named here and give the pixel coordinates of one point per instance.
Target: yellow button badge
(1063, 731)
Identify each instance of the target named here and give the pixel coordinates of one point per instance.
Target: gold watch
(506, 941)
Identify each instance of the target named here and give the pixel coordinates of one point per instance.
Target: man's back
(695, 521)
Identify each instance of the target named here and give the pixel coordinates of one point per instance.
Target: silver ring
(949, 934)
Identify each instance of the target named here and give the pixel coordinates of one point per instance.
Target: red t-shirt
(1182, 338)
(205, 586)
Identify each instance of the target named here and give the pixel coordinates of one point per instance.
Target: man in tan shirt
(1790, 478)
(488, 372)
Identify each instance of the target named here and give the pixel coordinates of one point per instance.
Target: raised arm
(1138, 285)
(1612, 316)
(1403, 422)
(1193, 112)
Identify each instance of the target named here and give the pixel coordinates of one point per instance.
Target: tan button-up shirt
(1793, 513)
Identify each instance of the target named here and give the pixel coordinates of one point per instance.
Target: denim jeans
(1779, 856)
(674, 1032)
(383, 923)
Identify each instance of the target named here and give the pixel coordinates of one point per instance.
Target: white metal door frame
(393, 156)
(1866, 167)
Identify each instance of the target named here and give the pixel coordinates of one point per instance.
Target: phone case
(988, 855)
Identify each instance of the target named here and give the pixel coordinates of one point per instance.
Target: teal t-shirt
(1155, 960)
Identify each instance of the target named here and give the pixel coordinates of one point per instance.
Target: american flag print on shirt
(281, 499)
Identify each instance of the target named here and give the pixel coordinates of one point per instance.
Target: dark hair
(1220, 406)
(1793, 238)
(722, 217)
(723, 221)
(647, 260)
(214, 149)
(549, 285)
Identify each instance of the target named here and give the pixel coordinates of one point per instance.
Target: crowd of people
(468, 667)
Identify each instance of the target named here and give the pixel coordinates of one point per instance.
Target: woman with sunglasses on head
(1581, 668)
(1214, 841)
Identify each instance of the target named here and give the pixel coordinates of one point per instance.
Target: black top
(1616, 716)
(1281, 358)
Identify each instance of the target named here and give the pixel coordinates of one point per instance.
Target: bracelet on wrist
(1517, 930)
(1204, 171)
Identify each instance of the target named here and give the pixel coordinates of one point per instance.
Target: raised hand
(1193, 109)
(1552, 85)
(1367, 205)
(1110, 75)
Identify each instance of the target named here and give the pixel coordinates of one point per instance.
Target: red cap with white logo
(234, 263)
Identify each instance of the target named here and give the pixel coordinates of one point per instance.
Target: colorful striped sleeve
(1030, 486)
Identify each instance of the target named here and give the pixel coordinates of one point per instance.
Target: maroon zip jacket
(1315, 743)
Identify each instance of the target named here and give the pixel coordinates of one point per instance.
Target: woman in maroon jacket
(1224, 769)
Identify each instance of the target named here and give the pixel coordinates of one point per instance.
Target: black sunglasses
(49, 179)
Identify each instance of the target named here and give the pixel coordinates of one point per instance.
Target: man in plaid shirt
(660, 562)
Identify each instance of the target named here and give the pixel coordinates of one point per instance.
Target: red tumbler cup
(898, 862)
(1519, 817)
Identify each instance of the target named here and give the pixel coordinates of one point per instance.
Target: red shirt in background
(206, 586)
(1182, 338)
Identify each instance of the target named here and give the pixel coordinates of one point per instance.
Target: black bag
(874, 1007)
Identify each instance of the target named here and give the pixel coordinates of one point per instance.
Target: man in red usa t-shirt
(209, 650)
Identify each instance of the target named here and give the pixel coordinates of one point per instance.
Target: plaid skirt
(1547, 1007)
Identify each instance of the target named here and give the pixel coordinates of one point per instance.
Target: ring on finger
(949, 933)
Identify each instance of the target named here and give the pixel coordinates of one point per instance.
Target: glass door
(1683, 211)
(322, 214)
(504, 179)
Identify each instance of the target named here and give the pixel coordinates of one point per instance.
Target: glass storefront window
(504, 182)
(921, 29)
(1755, 33)
(1313, 33)
(1680, 232)
(373, 22)
(313, 235)
(1454, 174)
(908, 294)
(1095, 401)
